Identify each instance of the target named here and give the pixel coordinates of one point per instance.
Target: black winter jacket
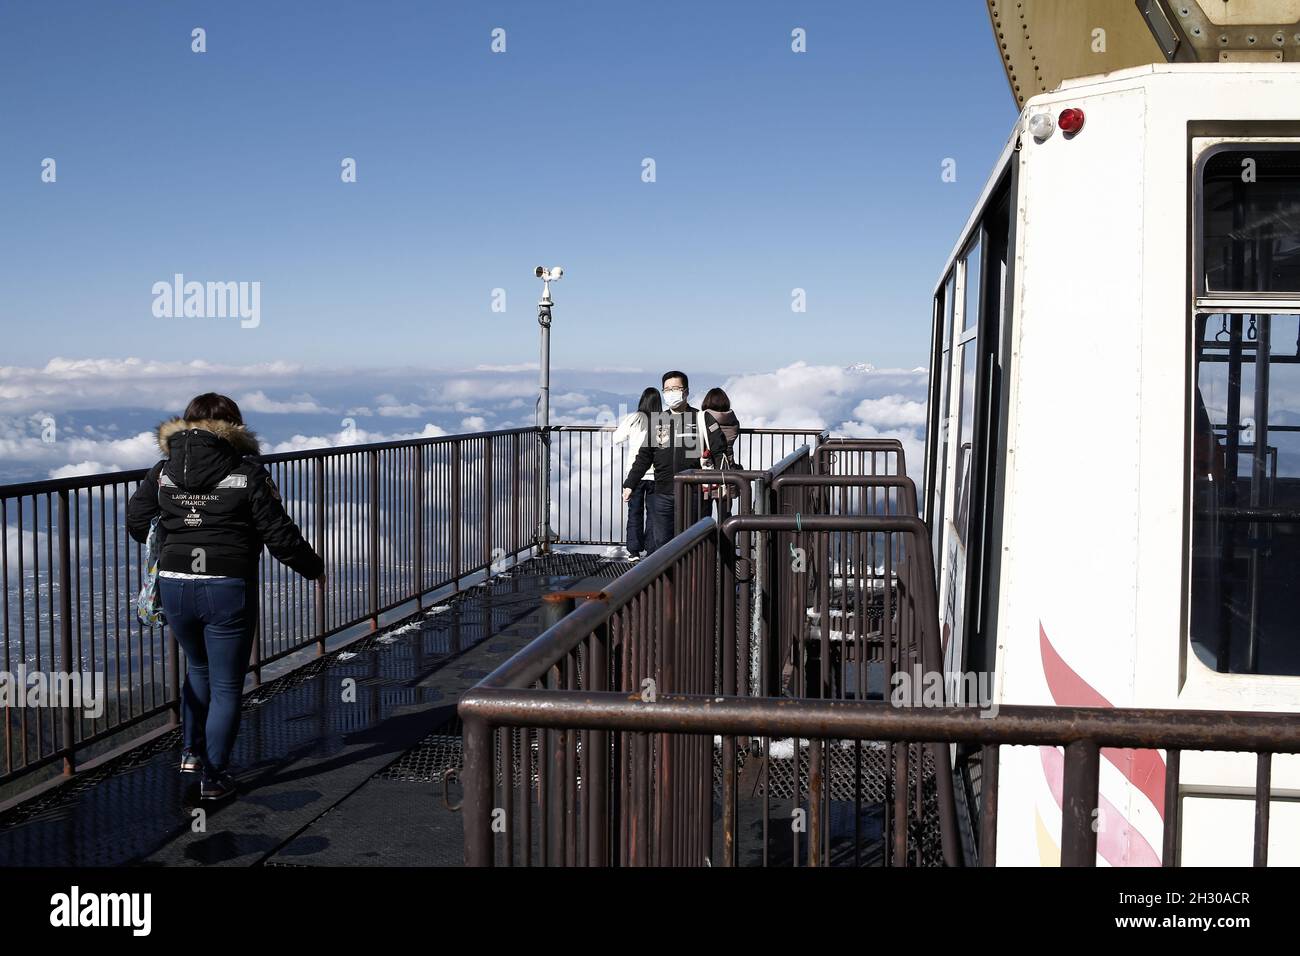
(218, 506)
(672, 445)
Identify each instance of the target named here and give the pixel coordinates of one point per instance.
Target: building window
(1245, 602)
(1250, 219)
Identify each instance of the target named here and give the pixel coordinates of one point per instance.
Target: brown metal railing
(393, 521)
(654, 794)
(845, 748)
(582, 795)
(1082, 731)
(588, 469)
(860, 456)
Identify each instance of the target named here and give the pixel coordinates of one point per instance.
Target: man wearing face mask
(673, 446)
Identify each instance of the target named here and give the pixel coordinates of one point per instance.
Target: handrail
(788, 462)
(47, 485)
(829, 447)
(1015, 725)
(533, 660)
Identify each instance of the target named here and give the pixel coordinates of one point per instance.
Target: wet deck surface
(322, 780)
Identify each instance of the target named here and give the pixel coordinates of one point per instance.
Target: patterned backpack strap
(148, 605)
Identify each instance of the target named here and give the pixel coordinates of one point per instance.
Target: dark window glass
(1246, 494)
(945, 365)
(949, 295)
(966, 433)
(971, 308)
(1251, 220)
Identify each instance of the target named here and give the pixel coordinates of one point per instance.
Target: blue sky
(774, 170)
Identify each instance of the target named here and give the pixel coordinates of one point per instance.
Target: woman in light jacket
(635, 430)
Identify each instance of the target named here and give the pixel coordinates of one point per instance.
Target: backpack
(148, 605)
(724, 462)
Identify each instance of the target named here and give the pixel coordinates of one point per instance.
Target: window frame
(1205, 148)
(1204, 142)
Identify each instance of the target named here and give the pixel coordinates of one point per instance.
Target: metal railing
(787, 771)
(588, 470)
(649, 797)
(573, 794)
(860, 456)
(393, 521)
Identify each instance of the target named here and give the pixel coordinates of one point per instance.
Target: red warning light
(1070, 121)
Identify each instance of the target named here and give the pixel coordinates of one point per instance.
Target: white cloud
(520, 367)
(30, 450)
(569, 400)
(131, 382)
(890, 411)
(818, 396)
(102, 407)
(355, 436)
(83, 468)
(258, 402)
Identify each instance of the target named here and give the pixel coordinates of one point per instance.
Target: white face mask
(673, 397)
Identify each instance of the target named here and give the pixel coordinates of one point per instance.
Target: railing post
(544, 517)
(319, 480)
(515, 446)
(67, 714)
(418, 520)
(727, 591)
(1169, 851)
(374, 540)
(989, 805)
(597, 760)
(455, 512)
(477, 805)
(1079, 821)
(255, 665)
(1263, 791)
(488, 499)
(756, 592)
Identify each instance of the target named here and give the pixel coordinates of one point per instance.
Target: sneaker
(216, 788)
(190, 763)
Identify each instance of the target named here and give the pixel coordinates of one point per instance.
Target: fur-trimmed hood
(243, 440)
(202, 452)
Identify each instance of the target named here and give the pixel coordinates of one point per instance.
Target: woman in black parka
(218, 507)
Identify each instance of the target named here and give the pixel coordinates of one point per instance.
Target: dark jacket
(672, 445)
(218, 506)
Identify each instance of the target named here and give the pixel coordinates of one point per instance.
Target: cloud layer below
(84, 416)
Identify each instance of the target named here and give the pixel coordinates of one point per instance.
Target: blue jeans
(214, 621)
(638, 526)
(661, 531)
